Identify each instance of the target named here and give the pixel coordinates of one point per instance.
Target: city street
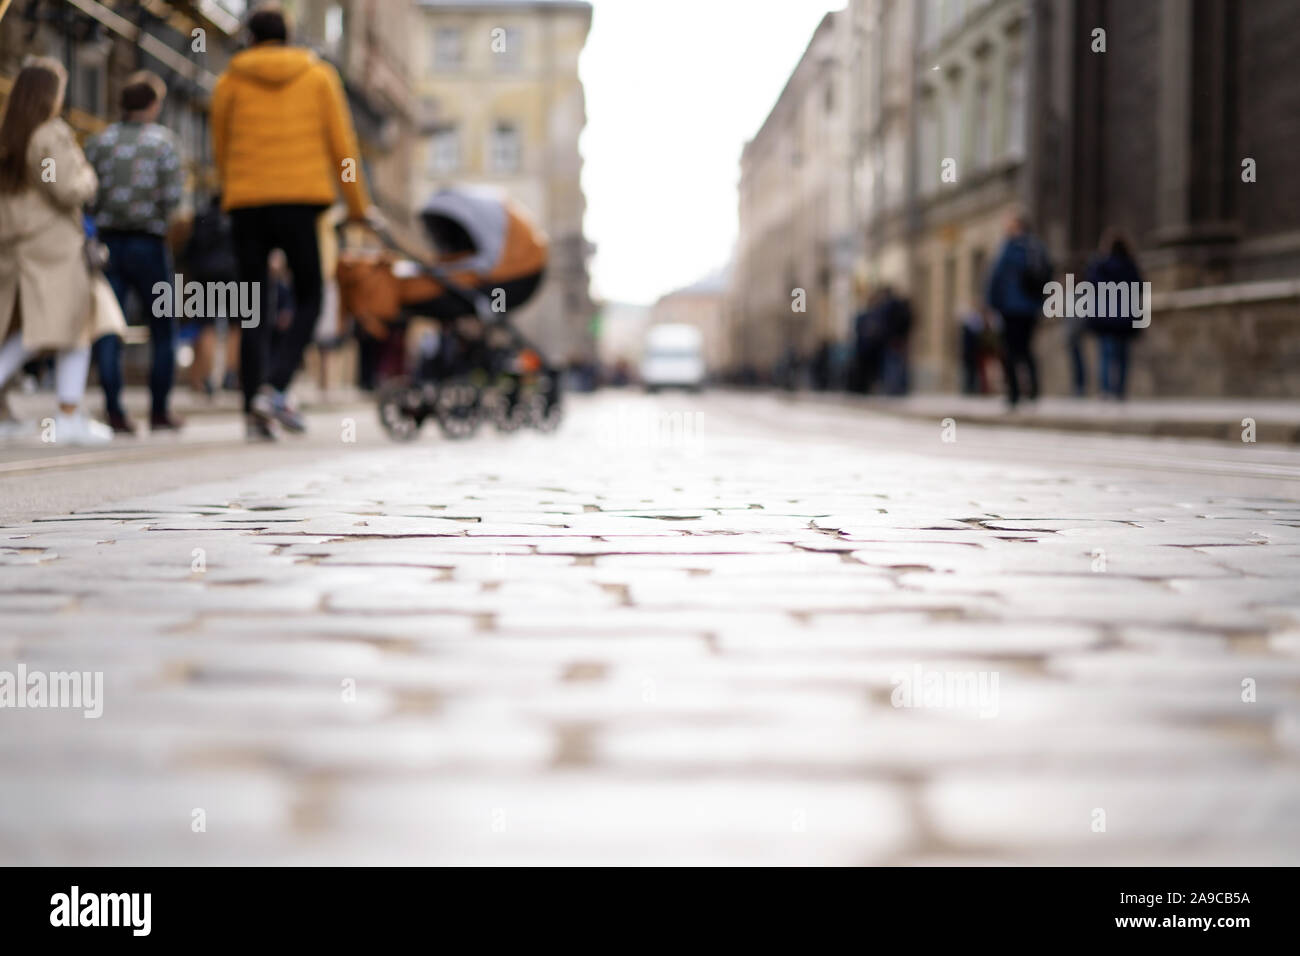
(686, 629)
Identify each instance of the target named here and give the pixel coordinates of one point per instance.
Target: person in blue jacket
(1015, 291)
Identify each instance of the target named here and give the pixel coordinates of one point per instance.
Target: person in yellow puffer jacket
(284, 147)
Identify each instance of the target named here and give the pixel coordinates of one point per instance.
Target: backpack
(210, 252)
(1038, 269)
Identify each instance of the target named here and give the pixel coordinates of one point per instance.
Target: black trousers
(1018, 352)
(256, 230)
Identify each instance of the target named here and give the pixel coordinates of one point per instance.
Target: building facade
(792, 282)
(101, 44)
(883, 184)
(971, 118)
(1181, 133)
(189, 42)
(369, 42)
(1170, 120)
(501, 104)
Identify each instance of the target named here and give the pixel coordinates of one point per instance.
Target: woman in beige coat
(46, 292)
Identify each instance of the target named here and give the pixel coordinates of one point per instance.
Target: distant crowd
(994, 338)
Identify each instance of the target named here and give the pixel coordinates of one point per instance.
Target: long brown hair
(36, 96)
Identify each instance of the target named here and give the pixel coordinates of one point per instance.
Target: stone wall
(1243, 344)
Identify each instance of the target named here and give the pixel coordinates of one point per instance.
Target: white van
(674, 358)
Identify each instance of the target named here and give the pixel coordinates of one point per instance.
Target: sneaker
(230, 382)
(269, 403)
(77, 429)
(166, 422)
(258, 429)
(121, 425)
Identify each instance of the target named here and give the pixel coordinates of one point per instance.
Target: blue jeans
(893, 369)
(137, 262)
(1114, 364)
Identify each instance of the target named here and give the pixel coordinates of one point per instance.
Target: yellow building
(500, 103)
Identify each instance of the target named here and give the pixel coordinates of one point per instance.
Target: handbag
(106, 316)
(94, 250)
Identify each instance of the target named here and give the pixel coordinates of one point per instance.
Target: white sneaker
(77, 429)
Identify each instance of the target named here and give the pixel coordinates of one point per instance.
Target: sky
(674, 89)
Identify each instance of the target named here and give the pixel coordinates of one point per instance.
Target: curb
(1266, 432)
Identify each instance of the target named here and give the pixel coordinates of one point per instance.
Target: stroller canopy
(480, 214)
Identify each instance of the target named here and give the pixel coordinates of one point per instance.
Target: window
(444, 151)
(333, 27)
(955, 13)
(952, 140)
(506, 148)
(508, 49)
(928, 147)
(1014, 121)
(447, 48)
(949, 304)
(983, 152)
(931, 14)
(894, 166)
(88, 81)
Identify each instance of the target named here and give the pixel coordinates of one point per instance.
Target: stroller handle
(480, 301)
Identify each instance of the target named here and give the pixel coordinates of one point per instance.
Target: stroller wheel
(459, 409)
(507, 408)
(546, 408)
(401, 409)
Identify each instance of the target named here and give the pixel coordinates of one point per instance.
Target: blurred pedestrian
(823, 366)
(869, 337)
(1076, 328)
(1015, 292)
(328, 337)
(140, 186)
(898, 332)
(284, 146)
(973, 328)
(47, 291)
(1114, 262)
(209, 257)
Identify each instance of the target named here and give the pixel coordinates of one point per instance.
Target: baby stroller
(490, 261)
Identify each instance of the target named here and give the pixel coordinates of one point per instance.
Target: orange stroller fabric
(369, 290)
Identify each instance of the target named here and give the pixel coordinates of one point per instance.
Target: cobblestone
(810, 636)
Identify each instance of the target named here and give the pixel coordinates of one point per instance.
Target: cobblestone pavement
(682, 630)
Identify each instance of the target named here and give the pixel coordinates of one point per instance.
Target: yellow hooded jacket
(281, 132)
